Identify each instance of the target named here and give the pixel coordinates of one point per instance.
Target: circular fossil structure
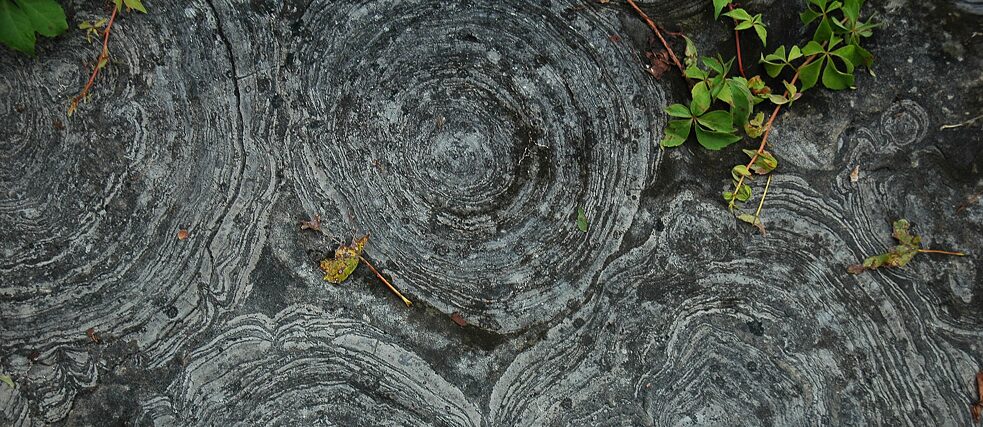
(92, 204)
(464, 136)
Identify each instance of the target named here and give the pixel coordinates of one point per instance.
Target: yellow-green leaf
(135, 5)
(346, 258)
(581, 220)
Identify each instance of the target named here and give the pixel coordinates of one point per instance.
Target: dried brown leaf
(313, 224)
(658, 63)
(93, 336)
(459, 319)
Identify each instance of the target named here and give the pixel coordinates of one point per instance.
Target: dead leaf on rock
(977, 407)
(346, 259)
(93, 336)
(182, 234)
(856, 269)
(459, 319)
(658, 63)
(313, 224)
(855, 174)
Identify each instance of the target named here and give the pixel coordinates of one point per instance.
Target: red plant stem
(102, 56)
(658, 34)
(391, 287)
(771, 120)
(737, 41)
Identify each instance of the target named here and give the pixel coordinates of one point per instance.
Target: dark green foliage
(21, 19)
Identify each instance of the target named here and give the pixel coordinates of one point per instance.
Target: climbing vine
(94, 29)
(724, 109)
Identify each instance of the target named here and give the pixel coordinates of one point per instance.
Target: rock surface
(463, 136)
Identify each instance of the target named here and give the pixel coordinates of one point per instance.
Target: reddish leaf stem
(103, 55)
(658, 34)
(771, 120)
(391, 287)
(737, 41)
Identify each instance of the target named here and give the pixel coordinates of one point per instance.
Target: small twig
(936, 251)
(959, 125)
(103, 55)
(761, 204)
(970, 201)
(658, 34)
(391, 287)
(737, 41)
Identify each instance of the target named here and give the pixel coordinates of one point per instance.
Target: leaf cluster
(21, 20)
(745, 21)
(764, 163)
(834, 50)
(721, 107)
(715, 128)
(908, 246)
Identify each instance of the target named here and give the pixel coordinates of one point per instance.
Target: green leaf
(677, 132)
(772, 69)
(581, 220)
(738, 171)
(835, 79)
(855, 55)
(754, 128)
(812, 48)
(7, 380)
(809, 74)
(744, 193)
(851, 9)
(694, 72)
(119, 4)
(46, 16)
(678, 110)
(691, 53)
(741, 103)
(739, 14)
(794, 53)
(713, 64)
(719, 5)
(743, 25)
(900, 231)
(717, 86)
(135, 5)
(790, 88)
(16, 30)
(701, 99)
(750, 219)
(808, 16)
(762, 33)
(764, 163)
(824, 31)
(719, 120)
(715, 140)
(778, 99)
(344, 262)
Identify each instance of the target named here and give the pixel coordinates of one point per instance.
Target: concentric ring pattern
(464, 135)
(94, 245)
(305, 367)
